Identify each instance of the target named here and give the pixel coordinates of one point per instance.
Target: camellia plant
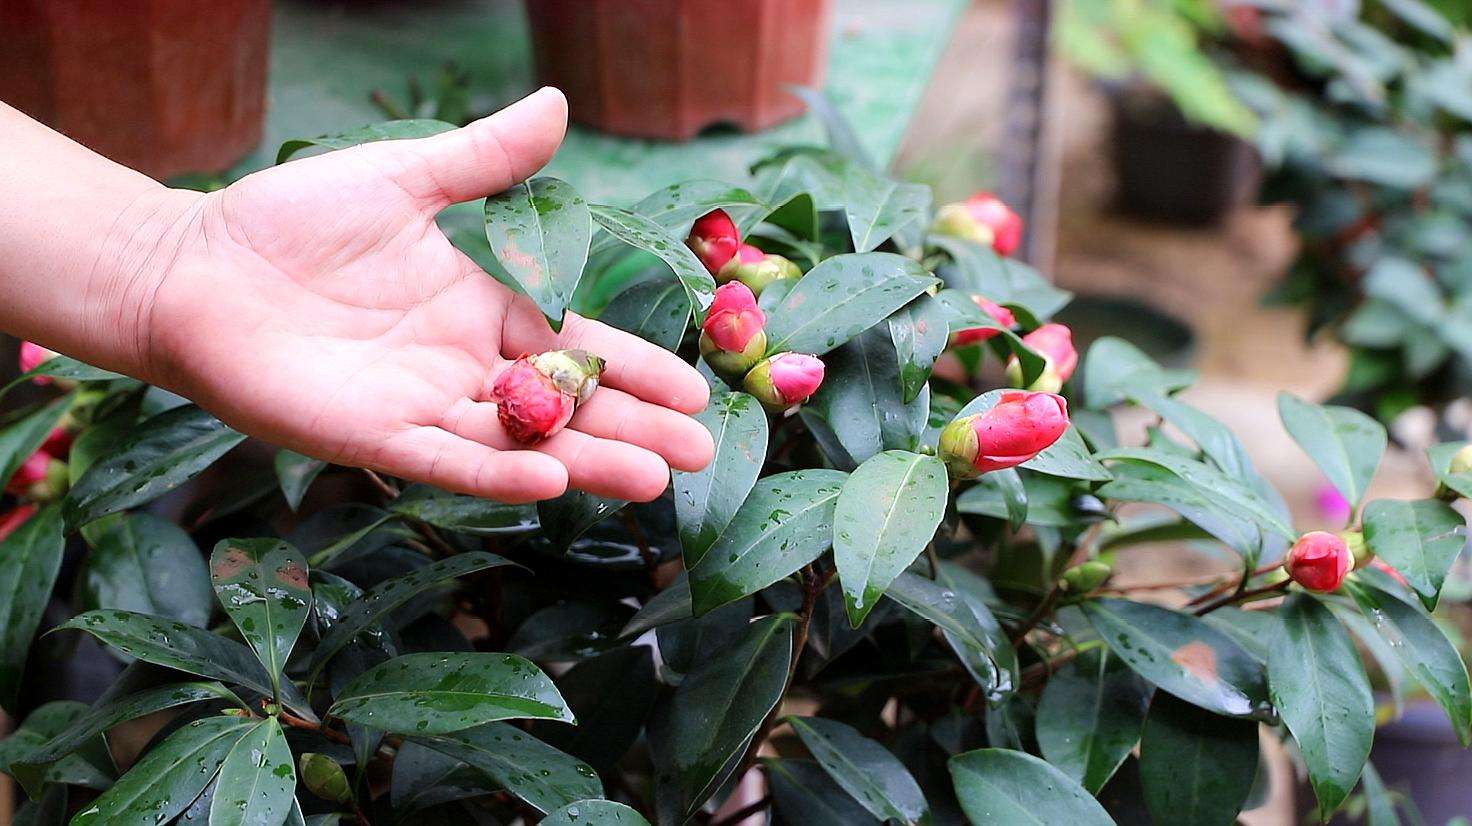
(888, 598)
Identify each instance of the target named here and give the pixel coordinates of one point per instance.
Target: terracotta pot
(671, 68)
(164, 86)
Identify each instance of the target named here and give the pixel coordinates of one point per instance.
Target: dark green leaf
(677, 206)
(1196, 767)
(423, 777)
(1144, 482)
(169, 777)
(1014, 498)
(90, 766)
(25, 436)
(657, 311)
(969, 628)
(570, 515)
(966, 315)
(642, 233)
(706, 501)
(1048, 499)
(1090, 717)
(865, 769)
(919, 331)
(1182, 655)
(668, 606)
(463, 514)
(1421, 539)
(1345, 443)
(595, 813)
(147, 565)
(1004, 786)
(977, 269)
(886, 513)
(858, 410)
(611, 695)
(30, 559)
(161, 454)
(1440, 457)
(296, 472)
(62, 367)
(539, 231)
(842, 297)
(1116, 371)
(528, 768)
(263, 585)
(1320, 690)
(804, 793)
(437, 693)
(1068, 457)
(387, 131)
(784, 524)
(257, 783)
(878, 207)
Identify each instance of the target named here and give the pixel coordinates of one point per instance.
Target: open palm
(317, 305)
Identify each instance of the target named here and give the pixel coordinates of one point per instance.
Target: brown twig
(743, 813)
(389, 491)
(651, 561)
(292, 721)
(1243, 595)
(1038, 614)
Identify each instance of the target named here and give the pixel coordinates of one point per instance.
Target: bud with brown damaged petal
(536, 396)
(714, 239)
(732, 339)
(757, 269)
(1021, 425)
(325, 778)
(785, 380)
(1086, 577)
(1054, 342)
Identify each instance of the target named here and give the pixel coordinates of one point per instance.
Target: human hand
(318, 306)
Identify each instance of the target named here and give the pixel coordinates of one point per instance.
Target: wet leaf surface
(1004, 786)
(30, 559)
(149, 565)
(263, 585)
(539, 231)
(387, 131)
(1197, 768)
(643, 233)
(525, 766)
(863, 768)
(1421, 539)
(257, 781)
(842, 297)
(1090, 717)
(707, 500)
(442, 692)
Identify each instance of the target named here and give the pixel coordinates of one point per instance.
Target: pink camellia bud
(536, 395)
(15, 517)
(757, 269)
(784, 380)
(41, 477)
(1390, 571)
(1319, 561)
(33, 355)
(1021, 425)
(714, 239)
(984, 219)
(1054, 342)
(732, 339)
(59, 443)
(976, 335)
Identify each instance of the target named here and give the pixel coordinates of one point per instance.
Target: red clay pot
(164, 86)
(671, 68)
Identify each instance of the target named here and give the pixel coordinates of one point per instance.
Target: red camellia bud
(1319, 561)
(757, 269)
(1054, 342)
(1021, 425)
(975, 335)
(714, 239)
(732, 339)
(33, 355)
(785, 380)
(15, 517)
(984, 219)
(59, 443)
(536, 395)
(41, 477)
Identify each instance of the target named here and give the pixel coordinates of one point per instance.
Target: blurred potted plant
(164, 86)
(669, 69)
(1177, 126)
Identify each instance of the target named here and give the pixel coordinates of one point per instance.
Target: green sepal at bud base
(732, 367)
(785, 380)
(959, 446)
(759, 274)
(1085, 577)
(1358, 550)
(325, 778)
(575, 372)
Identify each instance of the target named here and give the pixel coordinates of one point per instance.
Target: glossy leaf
(1181, 654)
(887, 511)
(570, 515)
(1321, 692)
(169, 776)
(966, 315)
(1045, 501)
(1345, 443)
(296, 473)
(1421, 539)
(858, 411)
(1423, 649)
(1231, 494)
(1004, 786)
(595, 813)
(784, 524)
(1440, 457)
(257, 782)
(919, 331)
(842, 297)
(611, 695)
(1069, 458)
(173, 644)
(463, 514)
(539, 231)
(263, 585)
(643, 233)
(1197, 768)
(387, 131)
(1146, 482)
(1090, 716)
(978, 269)
(707, 500)
(1115, 371)
(703, 729)
(88, 763)
(148, 565)
(804, 793)
(30, 559)
(528, 768)
(878, 207)
(437, 693)
(866, 770)
(668, 606)
(657, 311)
(161, 454)
(968, 626)
(62, 367)
(21, 438)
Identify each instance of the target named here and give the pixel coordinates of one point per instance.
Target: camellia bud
(714, 239)
(1086, 577)
(59, 443)
(984, 219)
(40, 478)
(1358, 550)
(732, 340)
(784, 380)
(975, 335)
(1054, 342)
(536, 395)
(1319, 561)
(757, 269)
(33, 355)
(1021, 425)
(325, 778)
(15, 517)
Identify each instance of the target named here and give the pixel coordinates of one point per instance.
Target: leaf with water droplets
(387, 131)
(437, 693)
(842, 297)
(141, 562)
(595, 813)
(87, 763)
(30, 559)
(257, 782)
(1421, 539)
(263, 585)
(169, 776)
(968, 625)
(1090, 716)
(539, 231)
(865, 769)
(525, 766)
(642, 233)
(464, 514)
(1004, 786)
(707, 500)
(1196, 768)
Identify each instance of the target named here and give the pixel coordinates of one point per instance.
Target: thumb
(491, 154)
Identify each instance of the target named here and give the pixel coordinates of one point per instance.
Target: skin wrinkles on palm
(354, 331)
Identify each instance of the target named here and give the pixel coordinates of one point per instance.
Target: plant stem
(1243, 596)
(1038, 614)
(743, 813)
(389, 491)
(293, 721)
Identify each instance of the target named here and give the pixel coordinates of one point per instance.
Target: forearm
(83, 244)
